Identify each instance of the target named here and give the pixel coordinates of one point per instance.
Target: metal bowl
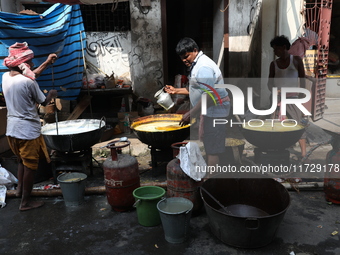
(160, 139)
(273, 140)
(73, 135)
(250, 209)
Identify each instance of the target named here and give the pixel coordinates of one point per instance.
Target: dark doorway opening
(186, 18)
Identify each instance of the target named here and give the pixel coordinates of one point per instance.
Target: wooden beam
(81, 106)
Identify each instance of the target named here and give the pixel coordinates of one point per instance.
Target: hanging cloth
(299, 47)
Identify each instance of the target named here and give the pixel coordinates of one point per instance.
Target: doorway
(185, 18)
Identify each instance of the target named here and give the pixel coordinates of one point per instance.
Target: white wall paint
(243, 17)
(239, 19)
(290, 20)
(244, 38)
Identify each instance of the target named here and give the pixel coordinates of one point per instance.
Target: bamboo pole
(99, 190)
(303, 186)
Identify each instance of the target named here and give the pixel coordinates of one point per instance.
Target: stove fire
(159, 155)
(71, 161)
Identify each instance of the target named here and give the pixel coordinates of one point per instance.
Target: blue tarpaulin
(58, 30)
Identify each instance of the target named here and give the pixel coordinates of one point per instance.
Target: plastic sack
(7, 181)
(93, 80)
(3, 190)
(7, 178)
(191, 159)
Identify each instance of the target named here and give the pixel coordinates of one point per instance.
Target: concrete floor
(94, 228)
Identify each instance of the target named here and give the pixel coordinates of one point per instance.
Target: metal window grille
(318, 19)
(99, 17)
(106, 17)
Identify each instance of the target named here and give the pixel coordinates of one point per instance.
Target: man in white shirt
(204, 75)
(22, 94)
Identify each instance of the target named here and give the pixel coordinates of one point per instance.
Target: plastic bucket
(175, 215)
(73, 187)
(147, 198)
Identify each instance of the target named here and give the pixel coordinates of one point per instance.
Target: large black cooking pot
(73, 135)
(254, 209)
(273, 140)
(160, 139)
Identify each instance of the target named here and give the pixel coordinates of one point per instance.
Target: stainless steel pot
(73, 135)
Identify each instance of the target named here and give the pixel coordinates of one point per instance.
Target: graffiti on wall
(146, 58)
(109, 51)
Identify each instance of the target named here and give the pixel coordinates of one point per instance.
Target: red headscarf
(19, 53)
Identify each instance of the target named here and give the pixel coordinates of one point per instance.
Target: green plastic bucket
(73, 187)
(147, 198)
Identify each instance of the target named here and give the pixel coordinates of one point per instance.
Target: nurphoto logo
(239, 99)
(238, 102)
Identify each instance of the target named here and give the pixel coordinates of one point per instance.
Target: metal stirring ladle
(55, 103)
(218, 202)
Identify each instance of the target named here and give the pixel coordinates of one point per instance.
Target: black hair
(280, 41)
(15, 68)
(185, 45)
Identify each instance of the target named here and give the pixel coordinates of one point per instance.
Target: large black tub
(254, 209)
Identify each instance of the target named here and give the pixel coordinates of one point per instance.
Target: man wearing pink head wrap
(22, 94)
(19, 54)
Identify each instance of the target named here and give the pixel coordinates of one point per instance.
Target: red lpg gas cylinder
(332, 175)
(179, 184)
(121, 177)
